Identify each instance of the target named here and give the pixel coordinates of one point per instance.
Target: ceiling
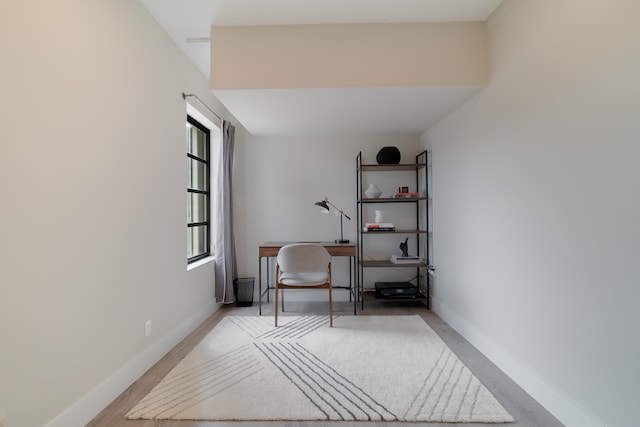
(387, 110)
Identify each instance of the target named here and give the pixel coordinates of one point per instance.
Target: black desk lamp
(324, 207)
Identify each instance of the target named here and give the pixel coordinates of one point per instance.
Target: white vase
(373, 192)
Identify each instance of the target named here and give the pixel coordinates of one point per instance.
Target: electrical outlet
(147, 330)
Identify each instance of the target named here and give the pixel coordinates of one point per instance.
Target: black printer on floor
(396, 290)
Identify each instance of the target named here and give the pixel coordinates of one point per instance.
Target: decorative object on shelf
(407, 194)
(404, 247)
(324, 207)
(388, 156)
(373, 192)
(403, 189)
(379, 216)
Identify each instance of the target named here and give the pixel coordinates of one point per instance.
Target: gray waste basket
(243, 290)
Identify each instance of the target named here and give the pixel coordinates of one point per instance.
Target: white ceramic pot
(373, 192)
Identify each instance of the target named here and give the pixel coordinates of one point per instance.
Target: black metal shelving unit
(420, 231)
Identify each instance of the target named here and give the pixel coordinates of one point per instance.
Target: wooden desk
(271, 249)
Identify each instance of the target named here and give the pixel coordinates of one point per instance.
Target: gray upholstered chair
(303, 266)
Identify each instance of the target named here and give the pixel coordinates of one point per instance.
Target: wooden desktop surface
(271, 249)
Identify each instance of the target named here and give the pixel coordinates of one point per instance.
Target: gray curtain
(225, 249)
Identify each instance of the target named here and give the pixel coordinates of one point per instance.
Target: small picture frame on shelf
(403, 189)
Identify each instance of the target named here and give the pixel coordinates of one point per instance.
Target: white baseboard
(85, 409)
(552, 399)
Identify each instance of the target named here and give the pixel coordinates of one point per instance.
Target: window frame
(207, 193)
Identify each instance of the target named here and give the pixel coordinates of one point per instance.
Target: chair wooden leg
(330, 309)
(282, 299)
(276, 305)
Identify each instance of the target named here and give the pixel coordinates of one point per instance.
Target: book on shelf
(397, 259)
(378, 226)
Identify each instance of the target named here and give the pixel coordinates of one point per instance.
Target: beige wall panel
(348, 55)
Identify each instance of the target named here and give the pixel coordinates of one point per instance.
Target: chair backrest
(303, 258)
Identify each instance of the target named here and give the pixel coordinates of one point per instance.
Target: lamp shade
(323, 206)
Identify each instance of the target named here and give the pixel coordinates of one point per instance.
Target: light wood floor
(520, 405)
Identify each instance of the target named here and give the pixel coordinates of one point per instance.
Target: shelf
(392, 200)
(398, 167)
(387, 264)
(396, 231)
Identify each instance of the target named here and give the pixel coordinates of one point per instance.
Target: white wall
(536, 207)
(93, 213)
(282, 178)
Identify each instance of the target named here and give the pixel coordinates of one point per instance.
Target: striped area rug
(365, 368)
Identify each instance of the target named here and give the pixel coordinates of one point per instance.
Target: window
(198, 190)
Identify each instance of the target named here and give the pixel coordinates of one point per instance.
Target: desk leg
(350, 280)
(352, 275)
(259, 285)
